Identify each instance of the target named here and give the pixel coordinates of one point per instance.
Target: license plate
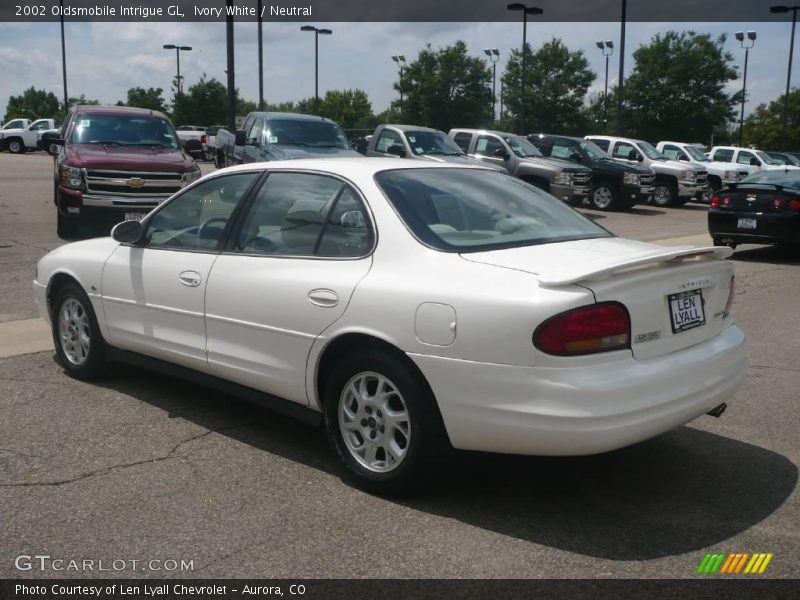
(686, 310)
(746, 224)
(134, 216)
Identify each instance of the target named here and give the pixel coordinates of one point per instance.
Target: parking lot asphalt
(140, 466)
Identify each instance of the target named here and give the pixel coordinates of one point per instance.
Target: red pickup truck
(114, 164)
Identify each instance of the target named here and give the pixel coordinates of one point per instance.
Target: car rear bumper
(770, 228)
(582, 410)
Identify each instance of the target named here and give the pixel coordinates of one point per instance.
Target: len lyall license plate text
(686, 310)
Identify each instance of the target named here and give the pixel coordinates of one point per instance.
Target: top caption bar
(384, 10)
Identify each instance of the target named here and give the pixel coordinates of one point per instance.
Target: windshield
(522, 147)
(468, 210)
(696, 154)
(768, 159)
(650, 152)
(593, 150)
(316, 134)
(124, 130)
(432, 142)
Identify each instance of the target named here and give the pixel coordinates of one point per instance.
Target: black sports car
(763, 208)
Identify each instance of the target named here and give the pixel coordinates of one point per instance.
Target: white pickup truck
(20, 138)
(719, 173)
(194, 141)
(746, 160)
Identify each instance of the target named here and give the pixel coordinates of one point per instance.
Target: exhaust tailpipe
(718, 410)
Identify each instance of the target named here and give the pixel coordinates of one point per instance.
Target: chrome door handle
(323, 297)
(190, 278)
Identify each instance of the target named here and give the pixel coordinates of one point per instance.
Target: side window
(723, 155)
(673, 152)
(604, 144)
(195, 219)
(462, 139)
(248, 124)
(39, 126)
(387, 139)
(745, 158)
(16, 124)
(291, 213)
(623, 150)
(487, 146)
(561, 150)
(254, 133)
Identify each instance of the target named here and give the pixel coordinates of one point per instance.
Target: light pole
(526, 10)
(317, 32)
(63, 59)
(751, 36)
(781, 9)
(178, 50)
(400, 59)
(260, 59)
(494, 56)
(606, 45)
(621, 79)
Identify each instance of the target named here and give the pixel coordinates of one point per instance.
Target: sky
(105, 59)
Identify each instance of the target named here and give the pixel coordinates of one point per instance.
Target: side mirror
(241, 137)
(683, 157)
(501, 153)
(754, 162)
(396, 150)
(576, 156)
(128, 232)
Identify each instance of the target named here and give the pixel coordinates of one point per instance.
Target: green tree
(204, 103)
(32, 104)
(556, 82)
(677, 88)
(446, 88)
(351, 109)
(147, 98)
(764, 125)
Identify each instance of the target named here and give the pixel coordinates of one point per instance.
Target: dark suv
(115, 163)
(615, 185)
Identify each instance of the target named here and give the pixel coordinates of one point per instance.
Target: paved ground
(142, 467)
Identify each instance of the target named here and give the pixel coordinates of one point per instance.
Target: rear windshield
(314, 134)
(783, 178)
(123, 130)
(472, 210)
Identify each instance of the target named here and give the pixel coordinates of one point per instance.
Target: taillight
(729, 303)
(586, 330)
(726, 202)
(777, 203)
(715, 202)
(793, 205)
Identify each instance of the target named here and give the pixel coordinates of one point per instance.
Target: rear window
(787, 178)
(472, 210)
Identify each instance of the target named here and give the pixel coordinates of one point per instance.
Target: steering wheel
(258, 244)
(202, 229)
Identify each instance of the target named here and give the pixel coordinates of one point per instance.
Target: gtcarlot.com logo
(734, 563)
(45, 562)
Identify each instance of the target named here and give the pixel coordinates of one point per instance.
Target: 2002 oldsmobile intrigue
(409, 307)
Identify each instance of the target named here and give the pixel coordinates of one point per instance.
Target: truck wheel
(605, 196)
(665, 193)
(15, 146)
(66, 226)
(714, 183)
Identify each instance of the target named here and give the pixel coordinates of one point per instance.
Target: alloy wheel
(662, 195)
(602, 197)
(74, 331)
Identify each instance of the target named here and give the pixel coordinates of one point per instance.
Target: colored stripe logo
(734, 563)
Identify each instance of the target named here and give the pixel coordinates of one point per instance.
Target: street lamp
(178, 58)
(526, 10)
(606, 45)
(494, 56)
(400, 59)
(781, 9)
(751, 36)
(64, 59)
(317, 32)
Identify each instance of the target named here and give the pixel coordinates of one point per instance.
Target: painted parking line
(24, 337)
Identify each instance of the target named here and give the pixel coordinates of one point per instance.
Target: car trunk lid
(758, 198)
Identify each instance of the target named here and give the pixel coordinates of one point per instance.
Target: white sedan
(411, 308)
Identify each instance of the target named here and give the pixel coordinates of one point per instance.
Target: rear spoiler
(598, 272)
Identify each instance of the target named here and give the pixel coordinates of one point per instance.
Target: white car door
(154, 292)
(287, 274)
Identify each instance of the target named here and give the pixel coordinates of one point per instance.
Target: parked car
(15, 124)
(676, 183)
(410, 307)
(115, 162)
(21, 139)
(763, 208)
(280, 136)
(615, 184)
(194, 140)
(514, 153)
(211, 143)
(746, 159)
(785, 158)
(719, 173)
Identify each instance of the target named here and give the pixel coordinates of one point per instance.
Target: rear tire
(80, 347)
(383, 422)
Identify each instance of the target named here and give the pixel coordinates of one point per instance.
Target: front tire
(66, 226)
(383, 422)
(665, 193)
(605, 196)
(15, 146)
(80, 347)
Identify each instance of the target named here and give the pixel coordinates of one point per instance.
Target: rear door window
(462, 139)
(723, 155)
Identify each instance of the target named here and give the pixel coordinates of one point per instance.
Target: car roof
(494, 131)
(347, 166)
(611, 138)
(279, 116)
(129, 111)
(412, 128)
(555, 136)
